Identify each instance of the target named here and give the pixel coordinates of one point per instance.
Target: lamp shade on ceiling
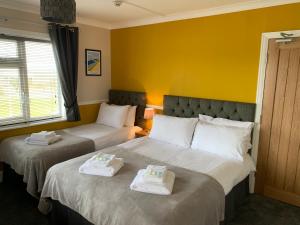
(58, 11)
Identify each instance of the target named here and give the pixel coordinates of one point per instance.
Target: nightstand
(142, 133)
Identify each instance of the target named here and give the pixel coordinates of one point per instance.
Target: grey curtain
(65, 45)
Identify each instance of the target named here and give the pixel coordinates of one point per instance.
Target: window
(29, 85)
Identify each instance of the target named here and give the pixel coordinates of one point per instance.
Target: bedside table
(142, 133)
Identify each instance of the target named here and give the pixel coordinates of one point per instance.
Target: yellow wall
(212, 57)
(88, 115)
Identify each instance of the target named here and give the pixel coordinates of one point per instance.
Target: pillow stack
(173, 130)
(129, 122)
(227, 138)
(116, 116)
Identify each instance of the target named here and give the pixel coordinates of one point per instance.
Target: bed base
(235, 198)
(10, 176)
(63, 215)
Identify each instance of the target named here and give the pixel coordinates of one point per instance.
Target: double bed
(207, 187)
(33, 161)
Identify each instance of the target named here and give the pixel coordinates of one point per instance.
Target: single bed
(86, 201)
(103, 136)
(32, 161)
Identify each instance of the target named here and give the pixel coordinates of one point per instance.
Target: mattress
(109, 200)
(227, 172)
(102, 135)
(33, 161)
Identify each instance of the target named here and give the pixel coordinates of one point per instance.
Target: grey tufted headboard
(190, 107)
(119, 97)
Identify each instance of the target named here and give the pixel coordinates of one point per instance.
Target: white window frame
(20, 63)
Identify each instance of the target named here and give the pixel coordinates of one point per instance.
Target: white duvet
(227, 172)
(102, 135)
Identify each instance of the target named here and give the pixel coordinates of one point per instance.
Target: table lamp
(148, 115)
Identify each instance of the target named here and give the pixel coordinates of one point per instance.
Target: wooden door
(278, 172)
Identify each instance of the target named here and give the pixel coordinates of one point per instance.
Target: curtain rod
(12, 37)
(44, 24)
(5, 19)
(24, 33)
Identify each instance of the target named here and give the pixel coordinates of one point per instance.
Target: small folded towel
(138, 184)
(42, 136)
(156, 174)
(95, 167)
(102, 159)
(49, 141)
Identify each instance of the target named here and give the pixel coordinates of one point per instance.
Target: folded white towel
(138, 184)
(92, 167)
(42, 136)
(49, 141)
(102, 159)
(155, 174)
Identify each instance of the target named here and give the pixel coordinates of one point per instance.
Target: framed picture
(92, 62)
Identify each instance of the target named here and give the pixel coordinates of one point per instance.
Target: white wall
(90, 89)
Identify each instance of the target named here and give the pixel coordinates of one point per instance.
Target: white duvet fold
(139, 184)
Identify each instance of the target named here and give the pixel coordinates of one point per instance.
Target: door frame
(265, 37)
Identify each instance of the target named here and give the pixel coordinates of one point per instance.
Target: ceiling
(103, 13)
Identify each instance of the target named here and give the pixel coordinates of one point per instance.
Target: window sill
(31, 124)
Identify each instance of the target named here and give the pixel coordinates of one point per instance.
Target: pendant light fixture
(58, 11)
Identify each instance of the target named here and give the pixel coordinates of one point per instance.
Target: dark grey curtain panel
(65, 45)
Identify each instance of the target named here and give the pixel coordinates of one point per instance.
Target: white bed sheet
(227, 172)
(102, 135)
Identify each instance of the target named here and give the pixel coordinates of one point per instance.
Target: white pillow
(226, 141)
(205, 118)
(173, 130)
(112, 115)
(129, 122)
(233, 123)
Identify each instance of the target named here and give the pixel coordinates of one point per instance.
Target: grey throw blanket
(33, 161)
(197, 199)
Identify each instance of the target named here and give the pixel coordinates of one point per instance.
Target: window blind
(29, 85)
